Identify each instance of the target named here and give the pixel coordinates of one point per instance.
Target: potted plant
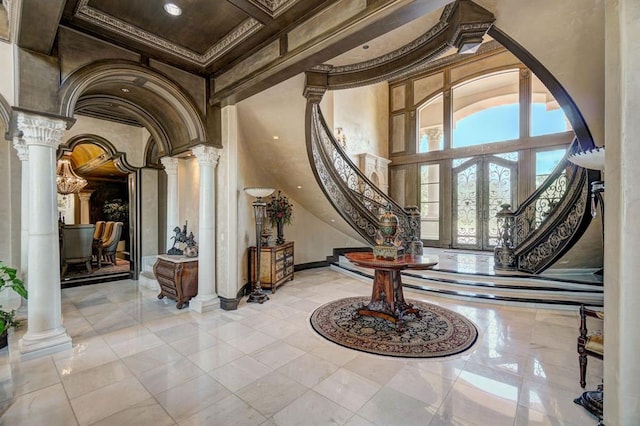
(9, 279)
(279, 212)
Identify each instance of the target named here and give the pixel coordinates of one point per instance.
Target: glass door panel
(465, 205)
(480, 186)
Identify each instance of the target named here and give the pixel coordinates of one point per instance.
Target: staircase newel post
(504, 253)
(414, 243)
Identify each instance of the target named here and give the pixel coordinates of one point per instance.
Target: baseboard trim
(231, 304)
(311, 265)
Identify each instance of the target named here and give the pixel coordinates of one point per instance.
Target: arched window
(486, 109)
(472, 138)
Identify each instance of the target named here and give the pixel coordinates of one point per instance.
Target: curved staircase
(546, 225)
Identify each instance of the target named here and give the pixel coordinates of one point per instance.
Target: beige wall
(363, 114)
(6, 72)
(189, 195)
(567, 37)
(10, 171)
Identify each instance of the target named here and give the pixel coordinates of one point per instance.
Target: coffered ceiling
(207, 37)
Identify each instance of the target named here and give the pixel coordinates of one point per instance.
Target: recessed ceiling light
(276, 138)
(172, 9)
(125, 90)
(299, 187)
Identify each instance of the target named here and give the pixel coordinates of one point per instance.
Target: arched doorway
(106, 198)
(134, 107)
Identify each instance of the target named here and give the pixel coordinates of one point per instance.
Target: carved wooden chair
(589, 344)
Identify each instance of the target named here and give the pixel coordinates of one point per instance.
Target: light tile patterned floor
(137, 360)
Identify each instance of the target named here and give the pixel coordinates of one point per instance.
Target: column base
(35, 345)
(203, 304)
(227, 304)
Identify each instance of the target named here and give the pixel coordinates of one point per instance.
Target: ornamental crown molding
(273, 7)
(236, 36)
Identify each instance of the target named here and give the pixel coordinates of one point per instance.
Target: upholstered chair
(110, 243)
(108, 229)
(99, 230)
(77, 243)
(589, 344)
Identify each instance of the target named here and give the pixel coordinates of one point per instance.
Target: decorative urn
(389, 243)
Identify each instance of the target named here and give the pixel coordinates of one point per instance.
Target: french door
(480, 186)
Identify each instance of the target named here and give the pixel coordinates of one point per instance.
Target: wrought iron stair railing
(352, 194)
(549, 222)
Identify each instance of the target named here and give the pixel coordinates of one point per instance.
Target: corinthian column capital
(21, 146)
(40, 130)
(207, 155)
(170, 165)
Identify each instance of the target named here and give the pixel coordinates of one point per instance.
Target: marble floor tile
(277, 355)
(215, 356)
(422, 385)
(348, 389)
(240, 372)
(312, 409)
(194, 343)
(187, 399)
(271, 393)
(167, 376)
(152, 358)
(493, 402)
(230, 411)
(145, 413)
(84, 354)
(251, 342)
(48, 406)
(34, 374)
(554, 401)
(264, 365)
(390, 407)
(376, 368)
(87, 381)
(308, 369)
(105, 401)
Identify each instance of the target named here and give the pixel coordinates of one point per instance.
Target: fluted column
(173, 213)
(45, 332)
(84, 197)
(23, 153)
(207, 160)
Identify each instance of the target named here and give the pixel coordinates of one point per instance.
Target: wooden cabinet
(276, 265)
(177, 277)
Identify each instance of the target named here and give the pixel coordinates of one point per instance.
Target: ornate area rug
(440, 332)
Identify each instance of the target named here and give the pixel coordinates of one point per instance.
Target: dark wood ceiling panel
(201, 24)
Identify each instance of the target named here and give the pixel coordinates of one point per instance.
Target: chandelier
(66, 180)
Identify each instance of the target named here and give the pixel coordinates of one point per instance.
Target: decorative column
(84, 196)
(433, 138)
(228, 271)
(23, 153)
(173, 213)
(207, 160)
(45, 333)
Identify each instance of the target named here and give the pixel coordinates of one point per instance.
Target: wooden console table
(387, 299)
(276, 265)
(178, 277)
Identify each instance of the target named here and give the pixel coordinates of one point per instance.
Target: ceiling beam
(252, 10)
(39, 21)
